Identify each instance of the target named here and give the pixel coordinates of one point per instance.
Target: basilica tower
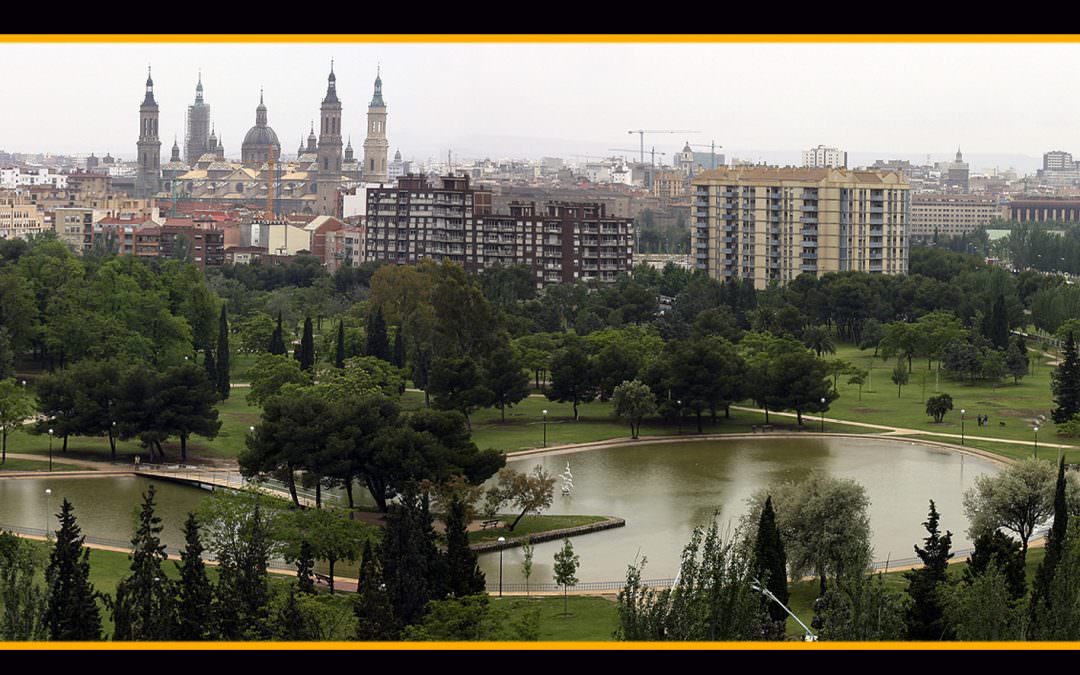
(148, 182)
(376, 146)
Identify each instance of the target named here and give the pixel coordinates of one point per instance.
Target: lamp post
(809, 637)
(50, 449)
(822, 414)
(48, 496)
(545, 427)
(1036, 455)
(501, 540)
(962, 411)
(679, 403)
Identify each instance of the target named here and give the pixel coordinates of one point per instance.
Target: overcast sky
(502, 100)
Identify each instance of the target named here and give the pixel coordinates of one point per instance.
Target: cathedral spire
(149, 100)
(331, 86)
(377, 99)
(199, 89)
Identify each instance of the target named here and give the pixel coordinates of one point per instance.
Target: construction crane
(642, 132)
(270, 189)
(652, 152)
(712, 148)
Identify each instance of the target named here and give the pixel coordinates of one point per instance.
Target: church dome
(260, 143)
(257, 135)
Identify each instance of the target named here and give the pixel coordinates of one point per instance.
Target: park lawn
(40, 465)
(591, 617)
(803, 593)
(1013, 404)
(530, 525)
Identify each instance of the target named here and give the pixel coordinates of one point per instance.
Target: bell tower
(148, 181)
(376, 147)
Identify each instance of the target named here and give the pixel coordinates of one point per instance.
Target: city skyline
(530, 100)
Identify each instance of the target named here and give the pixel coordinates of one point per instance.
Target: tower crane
(712, 148)
(652, 152)
(641, 133)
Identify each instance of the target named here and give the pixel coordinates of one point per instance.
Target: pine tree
(374, 613)
(210, 365)
(1003, 552)
(194, 592)
(222, 381)
(277, 339)
(377, 345)
(1065, 383)
(72, 612)
(925, 618)
(770, 565)
(412, 568)
(242, 592)
(1041, 597)
(305, 566)
(307, 347)
(463, 575)
(339, 358)
(399, 347)
(143, 607)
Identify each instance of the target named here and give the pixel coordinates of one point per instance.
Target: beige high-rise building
(769, 223)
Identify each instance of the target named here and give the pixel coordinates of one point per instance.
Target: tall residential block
(773, 224)
(824, 158)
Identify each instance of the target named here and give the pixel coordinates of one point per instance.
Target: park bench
(322, 579)
(493, 523)
(766, 427)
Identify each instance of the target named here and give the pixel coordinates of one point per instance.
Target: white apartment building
(824, 158)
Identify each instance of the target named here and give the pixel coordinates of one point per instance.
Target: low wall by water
(487, 546)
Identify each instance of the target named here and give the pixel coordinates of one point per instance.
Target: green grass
(530, 525)
(590, 617)
(39, 465)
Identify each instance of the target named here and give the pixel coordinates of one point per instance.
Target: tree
(378, 345)
(184, 405)
(565, 570)
(770, 567)
(937, 406)
(994, 549)
(277, 340)
(399, 347)
(1041, 589)
(925, 618)
(305, 568)
(222, 382)
(504, 376)
(240, 537)
(903, 339)
(526, 561)
(411, 566)
(339, 354)
(1065, 383)
(899, 376)
(527, 492)
(859, 377)
(859, 607)
(633, 401)
(472, 618)
(331, 535)
(307, 347)
(143, 609)
(22, 600)
(819, 339)
(997, 324)
(372, 608)
(1016, 360)
(457, 384)
(72, 612)
(255, 332)
(572, 377)
(463, 575)
(1017, 498)
(823, 524)
(15, 407)
(194, 592)
(270, 373)
(984, 608)
(210, 366)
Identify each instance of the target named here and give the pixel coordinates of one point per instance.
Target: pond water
(664, 490)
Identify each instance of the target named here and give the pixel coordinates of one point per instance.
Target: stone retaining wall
(485, 546)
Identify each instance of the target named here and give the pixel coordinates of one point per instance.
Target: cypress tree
(925, 617)
(222, 380)
(463, 575)
(377, 345)
(72, 612)
(399, 347)
(1065, 383)
(997, 324)
(305, 566)
(770, 566)
(411, 565)
(143, 607)
(339, 358)
(211, 366)
(374, 613)
(1041, 597)
(307, 347)
(277, 339)
(194, 592)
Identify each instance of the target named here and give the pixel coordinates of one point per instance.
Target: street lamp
(501, 540)
(822, 414)
(962, 411)
(809, 637)
(50, 449)
(545, 427)
(48, 495)
(1036, 442)
(680, 416)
